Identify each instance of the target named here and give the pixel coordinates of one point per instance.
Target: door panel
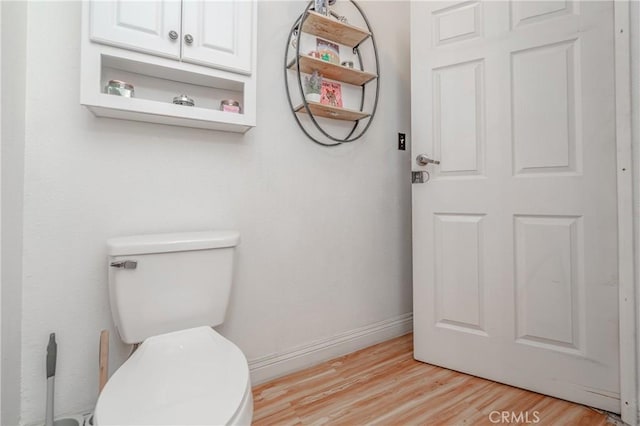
(515, 269)
(222, 33)
(459, 22)
(137, 25)
(527, 12)
(458, 272)
(549, 288)
(458, 122)
(544, 135)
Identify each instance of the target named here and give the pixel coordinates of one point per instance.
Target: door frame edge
(624, 172)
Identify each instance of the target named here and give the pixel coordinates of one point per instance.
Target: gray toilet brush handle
(52, 354)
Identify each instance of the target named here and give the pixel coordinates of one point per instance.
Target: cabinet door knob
(188, 38)
(173, 35)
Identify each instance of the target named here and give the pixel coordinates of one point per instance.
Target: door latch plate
(420, 177)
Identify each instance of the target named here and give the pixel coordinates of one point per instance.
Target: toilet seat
(187, 377)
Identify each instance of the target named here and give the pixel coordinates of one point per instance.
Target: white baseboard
(275, 365)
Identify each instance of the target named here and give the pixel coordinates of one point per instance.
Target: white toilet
(166, 292)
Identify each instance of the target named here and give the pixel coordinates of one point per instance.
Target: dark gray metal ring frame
(296, 31)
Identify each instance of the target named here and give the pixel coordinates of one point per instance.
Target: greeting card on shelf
(328, 51)
(331, 94)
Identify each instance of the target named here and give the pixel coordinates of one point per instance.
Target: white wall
(326, 238)
(635, 129)
(13, 27)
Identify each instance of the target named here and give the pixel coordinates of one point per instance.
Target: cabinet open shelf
(327, 111)
(157, 81)
(332, 71)
(334, 30)
(136, 109)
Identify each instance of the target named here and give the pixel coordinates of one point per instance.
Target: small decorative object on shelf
(321, 6)
(313, 87)
(331, 94)
(340, 18)
(183, 100)
(348, 64)
(314, 54)
(229, 105)
(119, 88)
(329, 52)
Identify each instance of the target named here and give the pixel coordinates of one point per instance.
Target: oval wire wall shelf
(340, 32)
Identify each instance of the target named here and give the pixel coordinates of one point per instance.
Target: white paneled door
(514, 235)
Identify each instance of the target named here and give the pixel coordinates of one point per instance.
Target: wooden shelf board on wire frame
(327, 111)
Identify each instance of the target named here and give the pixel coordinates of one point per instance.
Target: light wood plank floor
(384, 385)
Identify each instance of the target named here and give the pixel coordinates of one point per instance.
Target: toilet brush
(52, 354)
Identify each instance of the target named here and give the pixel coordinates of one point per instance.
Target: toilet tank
(168, 282)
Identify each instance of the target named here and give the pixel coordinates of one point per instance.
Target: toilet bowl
(187, 377)
(166, 291)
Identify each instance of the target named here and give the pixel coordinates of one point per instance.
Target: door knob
(188, 38)
(423, 160)
(173, 35)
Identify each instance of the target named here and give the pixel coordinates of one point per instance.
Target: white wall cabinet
(145, 26)
(205, 49)
(214, 33)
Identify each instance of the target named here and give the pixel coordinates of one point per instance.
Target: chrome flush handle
(124, 264)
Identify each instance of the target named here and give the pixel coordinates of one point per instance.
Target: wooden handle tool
(103, 371)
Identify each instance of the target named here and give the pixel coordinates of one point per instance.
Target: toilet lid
(187, 377)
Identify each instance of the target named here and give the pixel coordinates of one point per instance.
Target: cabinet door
(221, 32)
(137, 25)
